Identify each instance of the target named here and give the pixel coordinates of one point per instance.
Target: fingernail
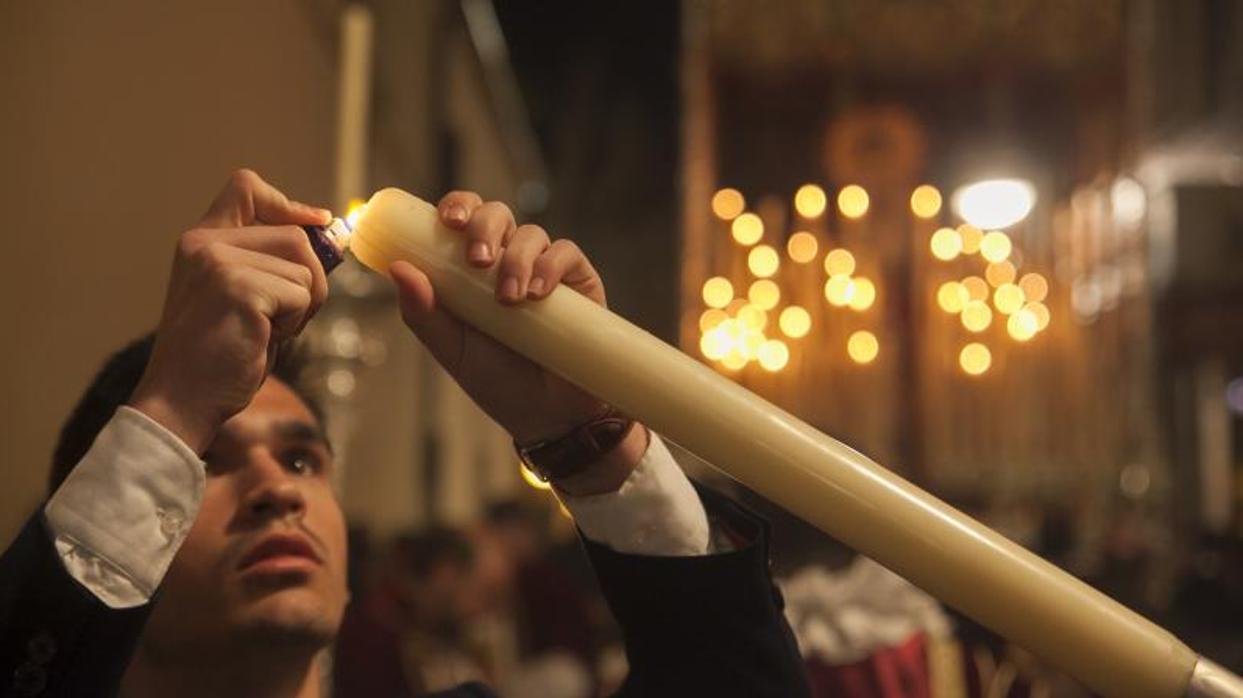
(456, 214)
(480, 252)
(536, 286)
(509, 288)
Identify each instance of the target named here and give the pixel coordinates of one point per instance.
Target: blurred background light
(945, 244)
(975, 358)
(977, 288)
(925, 201)
(1041, 312)
(802, 247)
(999, 273)
(839, 290)
(864, 295)
(764, 294)
(795, 322)
(1035, 287)
(1128, 201)
(747, 229)
(995, 246)
(718, 292)
(1008, 298)
(763, 261)
(752, 318)
(773, 355)
(853, 201)
(952, 297)
(976, 316)
(839, 262)
(710, 318)
(810, 201)
(862, 347)
(1022, 325)
(971, 237)
(994, 203)
(728, 204)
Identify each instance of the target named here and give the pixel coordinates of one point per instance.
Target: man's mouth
(280, 552)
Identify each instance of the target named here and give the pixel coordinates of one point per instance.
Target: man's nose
(273, 492)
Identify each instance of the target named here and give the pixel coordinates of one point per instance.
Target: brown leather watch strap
(569, 455)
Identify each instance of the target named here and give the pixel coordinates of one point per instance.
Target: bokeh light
(952, 297)
(810, 201)
(839, 262)
(1008, 298)
(945, 244)
(728, 204)
(994, 203)
(773, 355)
(1022, 325)
(995, 246)
(853, 201)
(862, 347)
(716, 343)
(763, 261)
(1035, 287)
(1000, 273)
(975, 358)
(747, 229)
(977, 288)
(1041, 312)
(802, 247)
(734, 360)
(971, 237)
(925, 201)
(976, 316)
(839, 290)
(795, 322)
(710, 318)
(764, 294)
(752, 318)
(718, 292)
(865, 294)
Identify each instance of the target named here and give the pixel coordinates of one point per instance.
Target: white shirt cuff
(125, 509)
(655, 512)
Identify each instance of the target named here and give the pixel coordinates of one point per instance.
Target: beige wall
(118, 127)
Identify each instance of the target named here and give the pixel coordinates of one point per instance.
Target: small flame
(355, 212)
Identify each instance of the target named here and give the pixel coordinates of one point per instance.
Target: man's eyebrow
(298, 430)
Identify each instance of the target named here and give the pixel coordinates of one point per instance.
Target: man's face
(266, 556)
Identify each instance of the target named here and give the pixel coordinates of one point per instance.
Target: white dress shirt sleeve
(125, 509)
(655, 512)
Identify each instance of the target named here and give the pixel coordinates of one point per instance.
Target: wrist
(608, 473)
(194, 431)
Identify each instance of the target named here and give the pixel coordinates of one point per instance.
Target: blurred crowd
(512, 603)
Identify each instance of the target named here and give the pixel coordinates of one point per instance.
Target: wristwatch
(569, 455)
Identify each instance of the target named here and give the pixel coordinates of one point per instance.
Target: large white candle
(1000, 584)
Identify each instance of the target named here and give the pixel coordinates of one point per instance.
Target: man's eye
(304, 462)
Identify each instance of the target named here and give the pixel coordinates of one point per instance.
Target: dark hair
(421, 552)
(115, 383)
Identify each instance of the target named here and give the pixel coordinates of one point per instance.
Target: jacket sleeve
(56, 637)
(703, 625)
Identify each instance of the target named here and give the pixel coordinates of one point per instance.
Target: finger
(283, 302)
(286, 242)
(488, 229)
(526, 245)
(247, 199)
(277, 266)
(456, 207)
(564, 262)
(442, 333)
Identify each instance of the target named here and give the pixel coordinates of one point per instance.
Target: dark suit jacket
(693, 626)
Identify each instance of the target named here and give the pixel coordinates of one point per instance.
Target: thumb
(442, 333)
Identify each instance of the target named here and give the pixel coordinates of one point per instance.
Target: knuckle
(533, 231)
(567, 247)
(243, 178)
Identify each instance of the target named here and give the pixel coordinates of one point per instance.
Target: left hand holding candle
(531, 403)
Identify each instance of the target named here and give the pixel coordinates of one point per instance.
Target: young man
(196, 548)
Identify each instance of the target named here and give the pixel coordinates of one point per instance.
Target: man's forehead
(277, 407)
